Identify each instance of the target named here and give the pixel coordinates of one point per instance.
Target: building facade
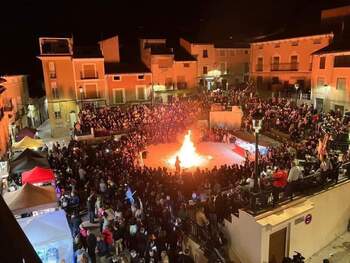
(173, 70)
(284, 63)
(14, 99)
(331, 78)
(219, 62)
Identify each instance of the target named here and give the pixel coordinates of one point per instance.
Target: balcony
(259, 67)
(284, 66)
(88, 75)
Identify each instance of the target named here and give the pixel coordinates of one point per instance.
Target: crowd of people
(142, 212)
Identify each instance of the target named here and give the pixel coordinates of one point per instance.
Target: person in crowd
(91, 242)
(295, 174)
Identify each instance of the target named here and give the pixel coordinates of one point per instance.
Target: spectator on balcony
(279, 178)
(295, 174)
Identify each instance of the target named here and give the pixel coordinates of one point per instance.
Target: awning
(38, 175)
(29, 132)
(31, 198)
(28, 143)
(28, 153)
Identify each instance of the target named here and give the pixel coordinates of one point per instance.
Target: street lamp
(81, 91)
(296, 86)
(257, 125)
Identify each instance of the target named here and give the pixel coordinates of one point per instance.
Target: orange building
(219, 62)
(282, 62)
(173, 69)
(331, 77)
(13, 101)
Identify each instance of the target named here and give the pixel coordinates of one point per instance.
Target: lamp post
(81, 91)
(296, 86)
(257, 125)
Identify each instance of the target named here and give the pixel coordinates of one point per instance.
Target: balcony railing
(284, 66)
(85, 75)
(259, 67)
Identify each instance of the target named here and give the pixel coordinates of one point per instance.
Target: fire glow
(188, 155)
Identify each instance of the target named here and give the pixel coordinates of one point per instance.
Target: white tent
(50, 236)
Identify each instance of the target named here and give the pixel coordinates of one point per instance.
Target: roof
(334, 47)
(230, 44)
(160, 49)
(123, 68)
(87, 52)
(181, 54)
(294, 32)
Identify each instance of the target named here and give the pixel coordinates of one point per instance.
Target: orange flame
(187, 154)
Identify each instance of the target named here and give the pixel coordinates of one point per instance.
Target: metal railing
(284, 66)
(85, 75)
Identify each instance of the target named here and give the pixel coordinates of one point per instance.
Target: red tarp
(38, 175)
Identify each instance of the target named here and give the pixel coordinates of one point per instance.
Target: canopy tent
(50, 236)
(28, 153)
(29, 132)
(27, 163)
(28, 143)
(38, 175)
(31, 198)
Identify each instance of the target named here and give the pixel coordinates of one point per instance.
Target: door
(294, 62)
(72, 118)
(319, 105)
(259, 82)
(277, 247)
(118, 96)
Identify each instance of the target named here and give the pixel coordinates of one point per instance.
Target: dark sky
(21, 22)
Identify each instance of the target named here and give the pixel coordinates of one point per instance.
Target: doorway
(319, 105)
(277, 248)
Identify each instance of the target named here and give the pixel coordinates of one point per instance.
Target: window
(294, 62)
(277, 45)
(186, 65)
(294, 43)
(342, 61)
(118, 96)
(205, 70)
(320, 82)
(205, 53)
(57, 110)
(322, 62)
(140, 93)
(246, 67)
(54, 90)
(275, 63)
(89, 71)
(259, 66)
(181, 82)
(140, 77)
(317, 41)
(117, 77)
(168, 83)
(341, 83)
(260, 47)
(52, 70)
(245, 51)
(222, 53)
(232, 53)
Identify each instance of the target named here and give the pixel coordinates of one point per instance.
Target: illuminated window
(205, 53)
(341, 83)
(54, 90)
(52, 70)
(322, 62)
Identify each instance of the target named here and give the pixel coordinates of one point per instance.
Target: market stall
(28, 143)
(28, 153)
(50, 236)
(25, 132)
(31, 198)
(38, 175)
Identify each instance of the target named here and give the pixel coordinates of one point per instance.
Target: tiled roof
(336, 46)
(181, 54)
(87, 52)
(122, 68)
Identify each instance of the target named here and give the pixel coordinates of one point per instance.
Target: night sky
(22, 22)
